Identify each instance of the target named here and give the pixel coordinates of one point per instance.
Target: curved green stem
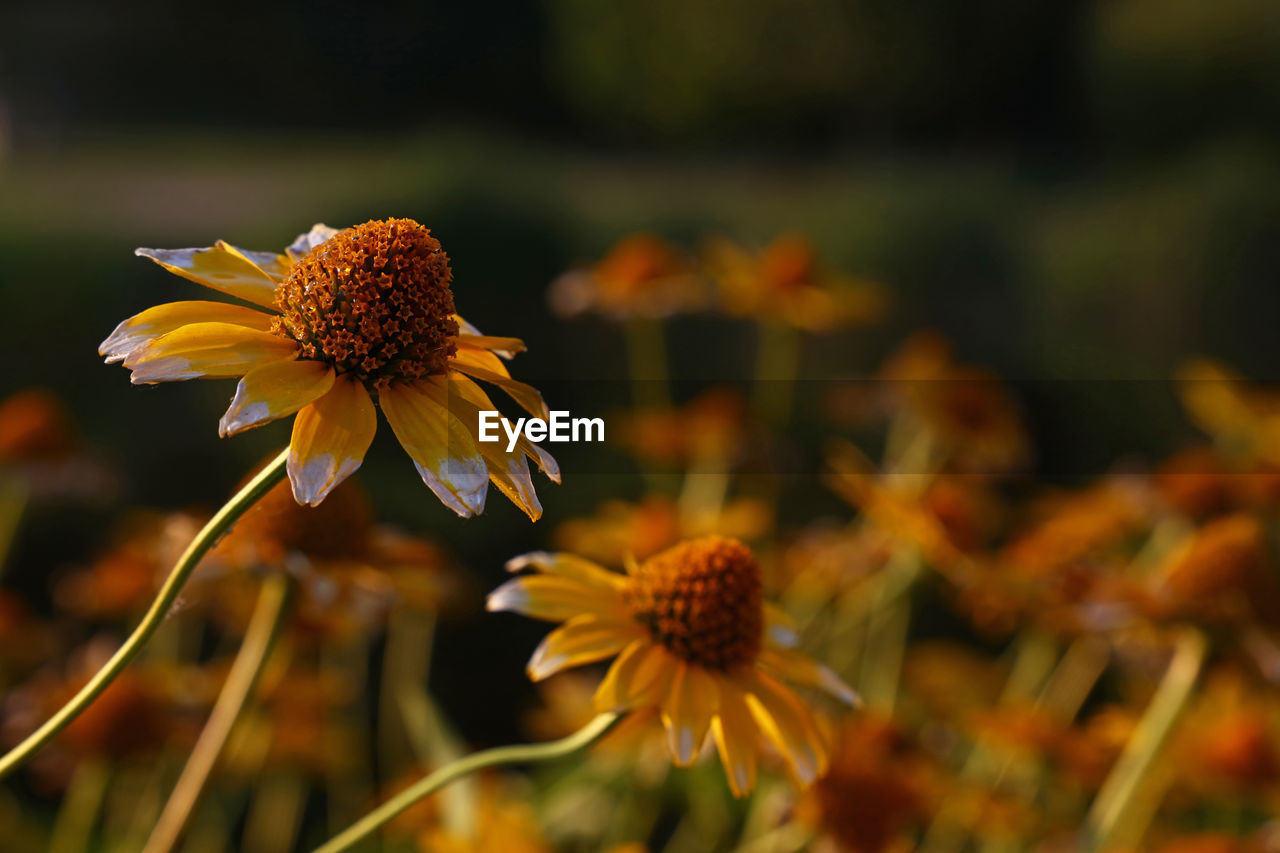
(519, 754)
(155, 616)
(264, 626)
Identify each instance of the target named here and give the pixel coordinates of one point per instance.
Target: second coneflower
(340, 318)
(693, 640)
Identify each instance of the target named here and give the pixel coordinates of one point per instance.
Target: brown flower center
(373, 301)
(702, 600)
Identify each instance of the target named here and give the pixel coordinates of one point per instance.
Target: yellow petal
(216, 267)
(508, 471)
(788, 724)
(330, 439)
(209, 350)
(688, 711)
(569, 566)
(583, 639)
(639, 678)
(272, 264)
(273, 391)
(505, 347)
(526, 396)
(804, 670)
(736, 738)
(161, 319)
(554, 599)
(440, 446)
(466, 399)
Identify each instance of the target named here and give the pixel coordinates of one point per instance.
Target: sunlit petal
(687, 713)
(583, 639)
(160, 320)
(273, 391)
(440, 446)
(218, 268)
(737, 738)
(554, 599)
(209, 350)
(330, 439)
(307, 241)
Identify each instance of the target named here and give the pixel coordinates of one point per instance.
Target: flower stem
(647, 360)
(518, 754)
(264, 626)
(155, 616)
(1121, 789)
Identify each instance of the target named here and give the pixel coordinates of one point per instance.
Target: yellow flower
(694, 641)
(785, 282)
(340, 316)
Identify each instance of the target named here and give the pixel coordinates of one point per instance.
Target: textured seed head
(373, 301)
(702, 600)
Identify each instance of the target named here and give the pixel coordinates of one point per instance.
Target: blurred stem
(777, 362)
(1116, 800)
(647, 360)
(264, 627)
(887, 628)
(156, 614)
(406, 661)
(518, 754)
(274, 814)
(73, 827)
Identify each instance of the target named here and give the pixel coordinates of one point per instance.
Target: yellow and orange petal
(691, 639)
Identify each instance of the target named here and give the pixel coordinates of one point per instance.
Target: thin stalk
(1118, 794)
(647, 361)
(518, 754)
(777, 363)
(155, 616)
(73, 827)
(242, 680)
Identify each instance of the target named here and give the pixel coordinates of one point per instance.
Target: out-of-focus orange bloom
(1243, 420)
(950, 681)
(786, 282)
(25, 641)
(124, 580)
(1222, 572)
(967, 412)
(710, 428)
(39, 444)
(34, 424)
(641, 276)
(350, 571)
(619, 529)
(877, 788)
(901, 506)
(1228, 744)
(1076, 526)
(1201, 482)
(300, 721)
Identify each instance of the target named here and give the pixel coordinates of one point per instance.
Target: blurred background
(1077, 194)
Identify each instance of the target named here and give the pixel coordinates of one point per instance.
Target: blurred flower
(710, 428)
(875, 791)
(1243, 420)
(965, 409)
(621, 529)
(340, 316)
(693, 640)
(124, 579)
(1222, 573)
(350, 571)
(1228, 745)
(786, 282)
(641, 276)
(39, 444)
